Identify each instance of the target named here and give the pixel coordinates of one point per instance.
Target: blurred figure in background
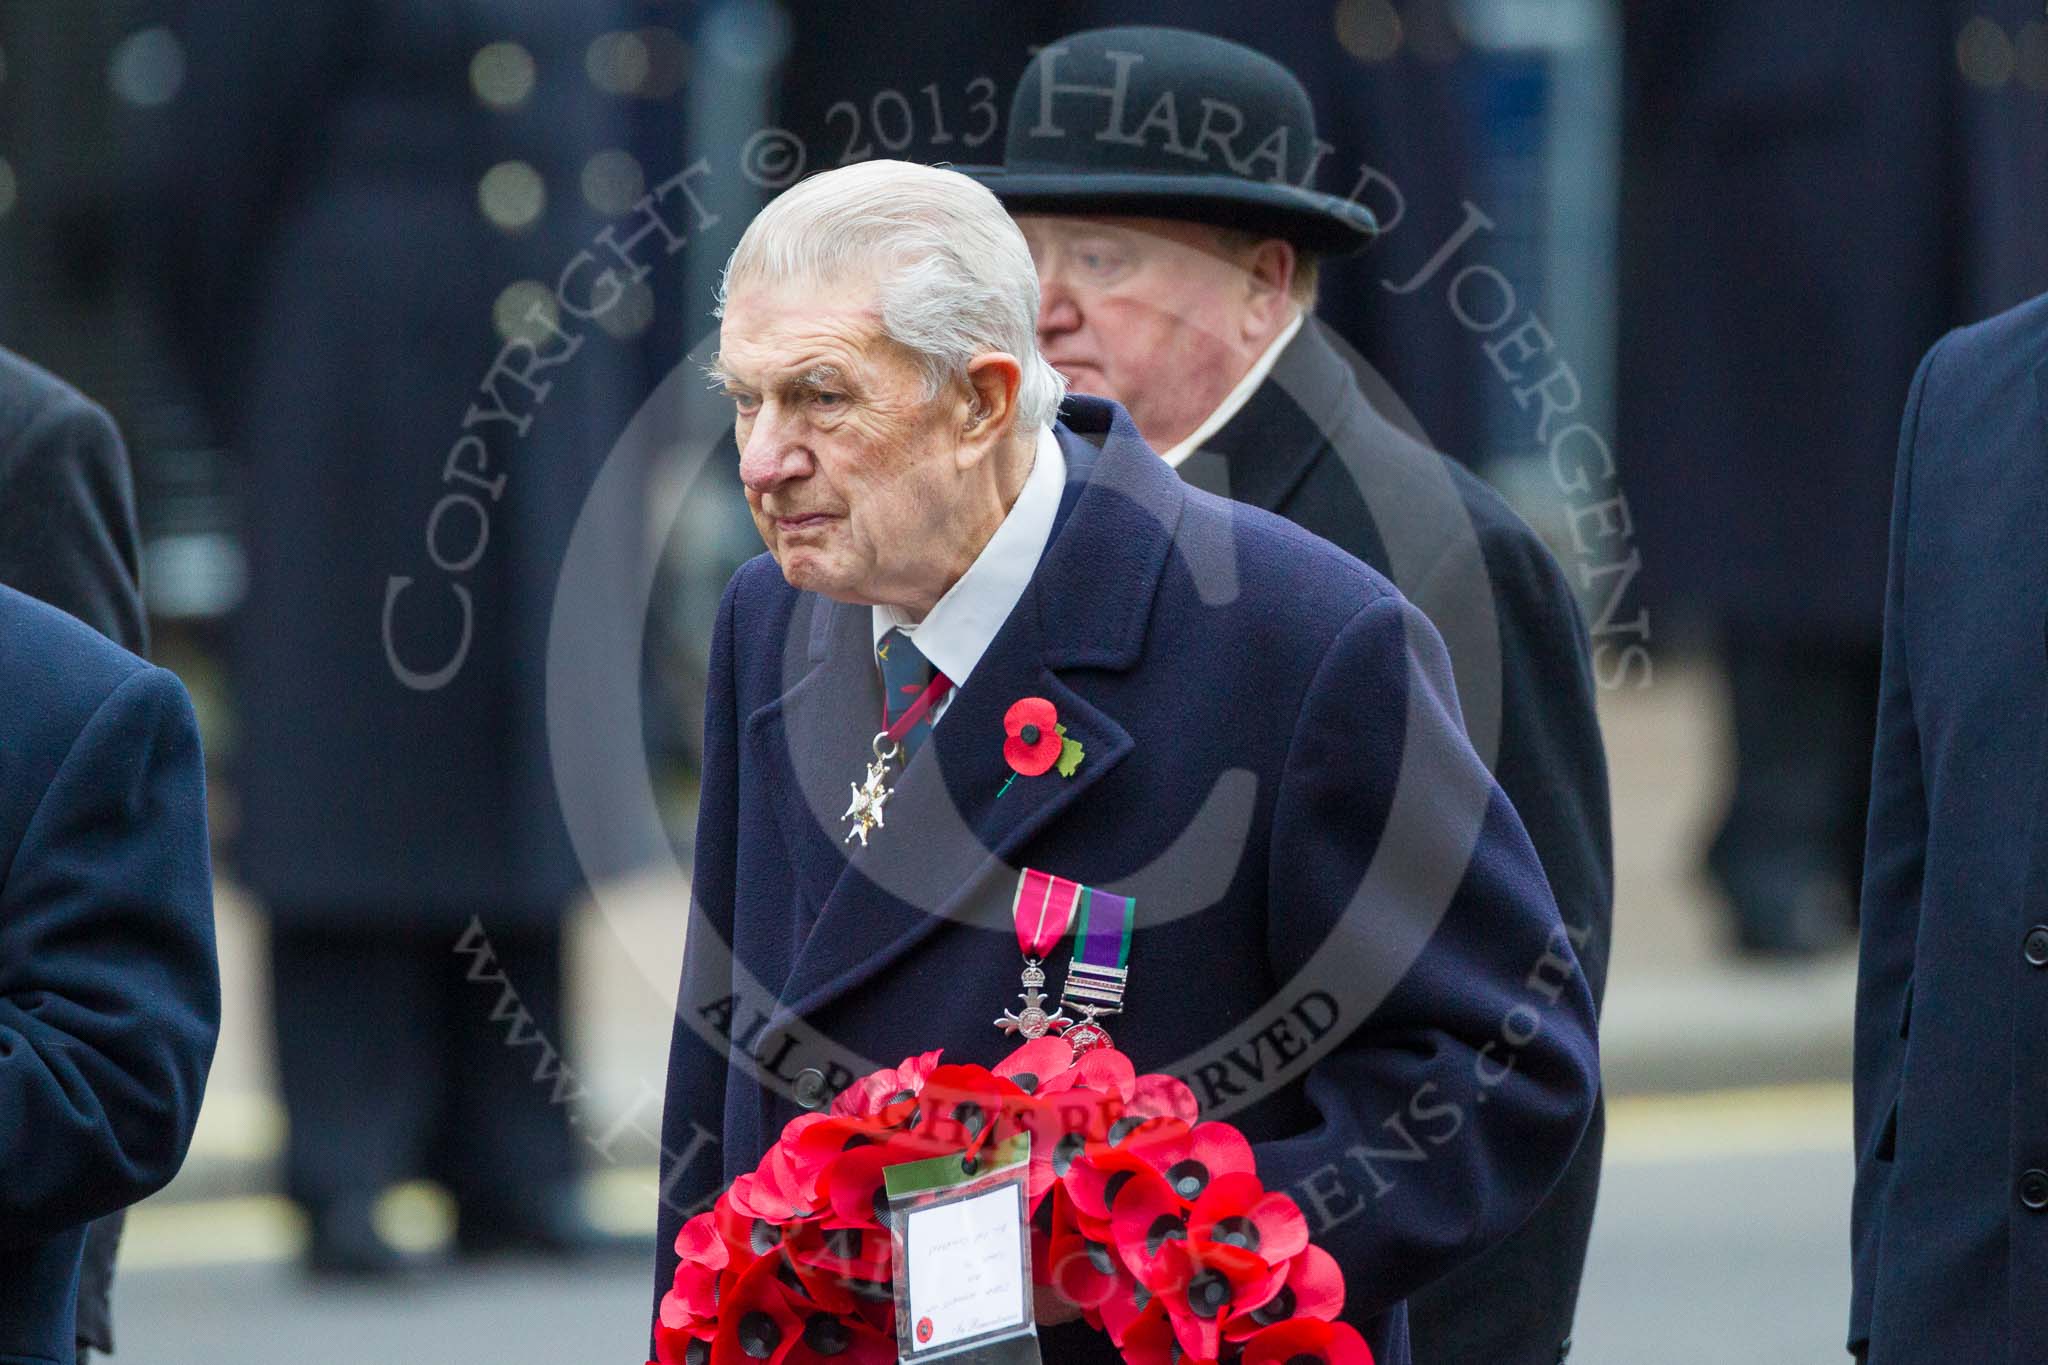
(1812, 194)
(68, 537)
(128, 806)
(362, 208)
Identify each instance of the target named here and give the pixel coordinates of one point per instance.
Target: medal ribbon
(1102, 949)
(1104, 938)
(934, 690)
(1043, 909)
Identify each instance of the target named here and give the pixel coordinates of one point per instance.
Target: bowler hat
(1165, 123)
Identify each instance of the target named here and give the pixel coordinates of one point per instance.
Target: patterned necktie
(905, 675)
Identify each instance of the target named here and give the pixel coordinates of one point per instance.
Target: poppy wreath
(1154, 1225)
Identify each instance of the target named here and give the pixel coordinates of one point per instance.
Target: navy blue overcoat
(1951, 1208)
(109, 992)
(1345, 943)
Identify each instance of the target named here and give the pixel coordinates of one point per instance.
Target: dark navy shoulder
(757, 582)
(1989, 361)
(55, 670)
(1289, 577)
(1498, 525)
(36, 638)
(2016, 338)
(1988, 367)
(31, 394)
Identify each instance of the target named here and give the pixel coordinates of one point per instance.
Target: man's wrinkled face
(847, 468)
(1147, 311)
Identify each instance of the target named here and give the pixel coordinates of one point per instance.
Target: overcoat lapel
(945, 854)
(815, 739)
(1264, 451)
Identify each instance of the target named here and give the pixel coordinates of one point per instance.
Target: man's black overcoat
(1309, 446)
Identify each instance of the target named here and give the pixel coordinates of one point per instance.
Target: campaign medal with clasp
(1100, 966)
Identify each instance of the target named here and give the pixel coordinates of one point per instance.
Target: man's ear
(1269, 285)
(991, 409)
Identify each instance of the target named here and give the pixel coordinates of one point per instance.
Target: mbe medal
(1042, 909)
(1032, 1021)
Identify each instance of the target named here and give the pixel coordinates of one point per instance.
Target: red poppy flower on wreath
(871, 1094)
(1086, 1272)
(853, 1256)
(703, 1258)
(745, 1237)
(757, 1320)
(1157, 1228)
(1188, 1158)
(1230, 1253)
(1308, 1340)
(1149, 1339)
(1314, 1289)
(963, 1107)
(1125, 1312)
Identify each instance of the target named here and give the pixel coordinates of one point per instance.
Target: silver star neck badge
(865, 810)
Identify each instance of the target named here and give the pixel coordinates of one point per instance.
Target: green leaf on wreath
(1071, 755)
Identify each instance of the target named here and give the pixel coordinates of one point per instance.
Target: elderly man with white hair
(1030, 651)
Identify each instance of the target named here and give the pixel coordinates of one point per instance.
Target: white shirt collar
(1238, 396)
(958, 629)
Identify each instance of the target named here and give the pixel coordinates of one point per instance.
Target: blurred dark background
(287, 245)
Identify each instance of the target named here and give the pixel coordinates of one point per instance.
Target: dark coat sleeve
(692, 1163)
(1550, 758)
(67, 516)
(1552, 766)
(1515, 1303)
(109, 989)
(1894, 859)
(1552, 762)
(1449, 1115)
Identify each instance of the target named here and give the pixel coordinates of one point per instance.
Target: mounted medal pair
(1044, 908)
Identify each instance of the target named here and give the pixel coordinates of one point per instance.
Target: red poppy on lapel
(1036, 741)
(1033, 743)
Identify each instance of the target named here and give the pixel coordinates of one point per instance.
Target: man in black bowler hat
(1165, 182)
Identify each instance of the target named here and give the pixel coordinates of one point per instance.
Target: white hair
(953, 275)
